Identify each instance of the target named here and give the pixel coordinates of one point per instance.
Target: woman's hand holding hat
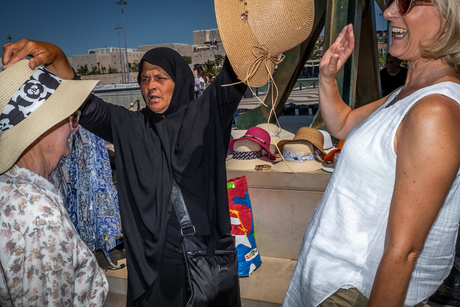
(49, 55)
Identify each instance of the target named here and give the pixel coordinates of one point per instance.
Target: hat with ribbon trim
(257, 135)
(312, 135)
(255, 33)
(32, 102)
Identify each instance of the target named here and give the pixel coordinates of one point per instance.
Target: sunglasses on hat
(404, 6)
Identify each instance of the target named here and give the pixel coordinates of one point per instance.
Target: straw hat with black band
(256, 32)
(32, 102)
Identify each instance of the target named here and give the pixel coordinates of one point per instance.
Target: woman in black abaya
(187, 142)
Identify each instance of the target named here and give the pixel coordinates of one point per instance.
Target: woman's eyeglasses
(74, 118)
(404, 6)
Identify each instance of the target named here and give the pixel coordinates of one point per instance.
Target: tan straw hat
(256, 32)
(32, 102)
(299, 156)
(312, 135)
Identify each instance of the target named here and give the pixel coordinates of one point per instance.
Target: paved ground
(291, 123)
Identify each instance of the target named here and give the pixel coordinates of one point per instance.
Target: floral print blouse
(43, 261)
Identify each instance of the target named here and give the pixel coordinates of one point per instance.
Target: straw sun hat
(256, 32)
(300, 156)
(32, 102)
(312, 135)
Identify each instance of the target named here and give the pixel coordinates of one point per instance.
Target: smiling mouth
(399, 32)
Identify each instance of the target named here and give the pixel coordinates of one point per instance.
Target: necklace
(417, 81)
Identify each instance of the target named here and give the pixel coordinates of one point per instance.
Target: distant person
(43, 260)
(393, 75)
(199, 81)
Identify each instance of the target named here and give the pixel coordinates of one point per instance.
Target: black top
(188, 143)
(389, 83)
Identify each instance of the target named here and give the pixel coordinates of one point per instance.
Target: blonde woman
(384, 233)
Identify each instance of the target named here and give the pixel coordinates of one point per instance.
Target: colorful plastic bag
(243, 226)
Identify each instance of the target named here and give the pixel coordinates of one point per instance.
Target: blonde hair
(447, 44)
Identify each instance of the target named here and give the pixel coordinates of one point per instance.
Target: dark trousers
(168, 290)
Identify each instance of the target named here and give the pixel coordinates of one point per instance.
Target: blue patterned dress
(85, 180)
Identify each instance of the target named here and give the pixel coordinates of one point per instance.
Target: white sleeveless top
(344, 241)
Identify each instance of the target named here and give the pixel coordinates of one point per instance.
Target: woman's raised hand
(337, 54)
(42, 53)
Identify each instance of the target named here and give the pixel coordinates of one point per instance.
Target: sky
(76, 26)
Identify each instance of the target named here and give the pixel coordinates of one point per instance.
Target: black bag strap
(186, 226)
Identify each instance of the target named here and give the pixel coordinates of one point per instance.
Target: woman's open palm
(337, 54)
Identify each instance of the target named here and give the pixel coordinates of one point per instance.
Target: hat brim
(67, 98)
(298, 167)
(234, 164)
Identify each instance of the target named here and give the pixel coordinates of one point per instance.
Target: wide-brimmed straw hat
(32, 102)
(257, 135)
(312, 135)
(246, 155)
(256, 32)
(299, 156)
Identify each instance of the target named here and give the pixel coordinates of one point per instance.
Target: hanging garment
(84, 179)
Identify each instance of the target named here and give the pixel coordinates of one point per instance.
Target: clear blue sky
(79, 25)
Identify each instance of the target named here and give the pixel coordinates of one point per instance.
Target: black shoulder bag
(211, 262)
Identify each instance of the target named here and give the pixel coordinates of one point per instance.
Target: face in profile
(157, 87)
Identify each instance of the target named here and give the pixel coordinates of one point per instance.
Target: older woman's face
(157, 87)
(54, 142)
(419, 26)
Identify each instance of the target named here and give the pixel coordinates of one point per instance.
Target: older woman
(43, 261)
(384, 233)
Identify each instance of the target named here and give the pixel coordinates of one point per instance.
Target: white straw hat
(256, 32)
(32, 102)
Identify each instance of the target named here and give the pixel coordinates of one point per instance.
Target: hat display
(247, 154)
(299, 156)
(312, 135)
(32, 102)
(257, 135)
(256, 32)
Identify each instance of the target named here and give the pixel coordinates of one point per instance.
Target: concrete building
(106, 60)
(206, 45)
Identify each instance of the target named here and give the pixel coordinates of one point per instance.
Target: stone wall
(110, 78)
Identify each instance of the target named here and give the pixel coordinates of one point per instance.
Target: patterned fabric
(84, 178)
(43, 260)
(32, 94)
(247, 155)
(302, 157)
